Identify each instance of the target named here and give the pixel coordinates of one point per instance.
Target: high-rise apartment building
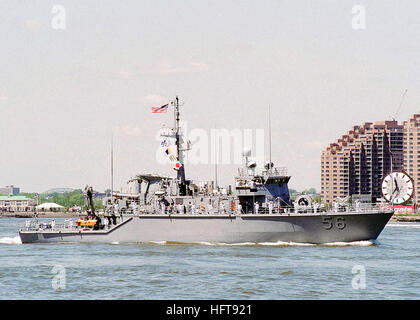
(9, 190)
(356, 163)
(412, 152)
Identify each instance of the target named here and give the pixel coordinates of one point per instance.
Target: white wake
(8, 240)
(414, 225)
(353, 243)
(273, 244)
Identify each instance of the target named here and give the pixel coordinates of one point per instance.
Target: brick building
(412, 152)
(356, 162)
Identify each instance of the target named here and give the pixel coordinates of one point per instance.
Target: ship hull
(300, 228)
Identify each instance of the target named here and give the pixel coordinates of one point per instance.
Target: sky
(65, 93)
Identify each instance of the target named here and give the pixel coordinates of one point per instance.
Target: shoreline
(394, 218)
(42, 214)
(405, 218)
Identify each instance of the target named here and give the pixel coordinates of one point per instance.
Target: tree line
(66, 199)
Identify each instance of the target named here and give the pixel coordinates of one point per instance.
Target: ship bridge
(256, 185)
(249, 178)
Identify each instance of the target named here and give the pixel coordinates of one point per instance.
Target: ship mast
(181, 170)
(112, 169)
(269, 132)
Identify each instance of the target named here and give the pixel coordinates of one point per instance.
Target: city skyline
(64, 93)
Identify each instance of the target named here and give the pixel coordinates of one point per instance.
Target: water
(211, 271)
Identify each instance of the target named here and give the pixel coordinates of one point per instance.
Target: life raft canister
(86, 223)
(233, 206)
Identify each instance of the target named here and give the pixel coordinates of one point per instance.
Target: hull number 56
(334, 222)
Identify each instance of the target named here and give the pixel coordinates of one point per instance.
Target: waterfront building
(50, 207)
(356, 163)
(9, 190)
(16, 203)
(412, 152)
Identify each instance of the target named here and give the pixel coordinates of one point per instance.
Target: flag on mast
(171, 155)
(161, 109)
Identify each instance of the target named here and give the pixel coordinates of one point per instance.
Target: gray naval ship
(258, 209)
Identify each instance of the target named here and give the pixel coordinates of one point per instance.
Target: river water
(387, 268)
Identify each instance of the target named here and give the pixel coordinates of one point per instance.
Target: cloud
(153, 100)
(128, 131)
(123, 74)
(163, 67)
(32, 24)
(198, 66)
(166, 67)
(314, 145)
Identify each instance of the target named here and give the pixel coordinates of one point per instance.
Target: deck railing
(70, 225)
(276, 171)
(35, 225)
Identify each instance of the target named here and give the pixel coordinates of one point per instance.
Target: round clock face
(397, 187)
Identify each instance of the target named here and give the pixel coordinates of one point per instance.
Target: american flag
(161, 109)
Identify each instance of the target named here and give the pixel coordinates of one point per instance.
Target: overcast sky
(63, 92)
